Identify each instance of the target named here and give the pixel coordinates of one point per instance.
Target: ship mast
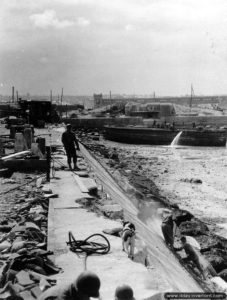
(61, 102)
(61, 96)
(51, 96)
(192, 94)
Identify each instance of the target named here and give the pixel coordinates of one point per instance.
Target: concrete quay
(114, 268)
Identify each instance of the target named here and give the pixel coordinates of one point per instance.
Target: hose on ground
(89, 246)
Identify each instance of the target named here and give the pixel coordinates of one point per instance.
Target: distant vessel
(164, 136)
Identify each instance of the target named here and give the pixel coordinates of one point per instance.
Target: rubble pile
(24, 259)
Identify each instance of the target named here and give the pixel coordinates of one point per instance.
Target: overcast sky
(126, 46)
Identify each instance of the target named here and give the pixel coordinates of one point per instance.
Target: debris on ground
(25, 264)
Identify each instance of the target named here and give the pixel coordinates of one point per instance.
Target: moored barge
(164, 136)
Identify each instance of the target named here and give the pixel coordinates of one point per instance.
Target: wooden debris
(36, 291)
(26, 295)
(14, 155)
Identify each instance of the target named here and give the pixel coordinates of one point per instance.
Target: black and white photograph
(113, 159)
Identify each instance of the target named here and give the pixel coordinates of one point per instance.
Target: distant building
(100, 101)
(150, 110)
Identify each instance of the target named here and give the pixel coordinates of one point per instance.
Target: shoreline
(213, 247)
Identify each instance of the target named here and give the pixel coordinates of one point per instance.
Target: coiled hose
(87, 246)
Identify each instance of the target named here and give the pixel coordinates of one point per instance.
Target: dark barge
(165, 136)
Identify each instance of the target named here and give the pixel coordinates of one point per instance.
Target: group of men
(86, 286)
(169, 229)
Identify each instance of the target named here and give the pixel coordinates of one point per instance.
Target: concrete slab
(67, 189)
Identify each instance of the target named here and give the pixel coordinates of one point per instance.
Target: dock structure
(164, 274)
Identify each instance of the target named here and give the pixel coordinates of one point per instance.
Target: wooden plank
(36, 292)
(18, 154)
(26, 295)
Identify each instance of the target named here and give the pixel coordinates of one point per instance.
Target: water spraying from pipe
(176, 139)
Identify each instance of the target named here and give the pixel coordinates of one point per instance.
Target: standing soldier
(69, 141)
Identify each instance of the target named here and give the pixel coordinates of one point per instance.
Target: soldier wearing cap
(124, 292)
(69, 141)
(169, 226)
(86, 285)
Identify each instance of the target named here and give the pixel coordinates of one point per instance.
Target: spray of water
(176, 139)
(151, 213)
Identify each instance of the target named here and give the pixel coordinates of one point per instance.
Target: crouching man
(192, 256)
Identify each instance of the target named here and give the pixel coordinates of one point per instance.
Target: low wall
(93, 122)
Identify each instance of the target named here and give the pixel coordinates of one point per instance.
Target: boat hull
(159, 136)
(140, 135)
(206, 138)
